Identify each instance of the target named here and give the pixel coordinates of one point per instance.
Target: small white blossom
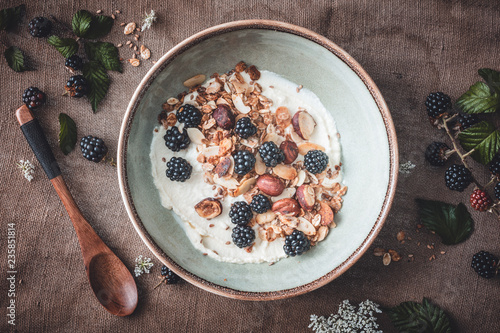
(27, 168)
(148, 20)
(348, 320)
(142, 265)
(407, 167)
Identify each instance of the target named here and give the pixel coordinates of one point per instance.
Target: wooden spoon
(110, 280)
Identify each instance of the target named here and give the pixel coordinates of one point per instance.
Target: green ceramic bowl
(362, 118)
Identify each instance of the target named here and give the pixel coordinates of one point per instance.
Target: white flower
(27, 169)
(348, 320)
(148, 20)
(142, 265)
(407, 167)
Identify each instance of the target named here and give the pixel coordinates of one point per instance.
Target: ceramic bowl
(369, 155)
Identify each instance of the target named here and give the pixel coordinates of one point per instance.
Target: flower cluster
(148, 20)
(27, 168)
(142, 265)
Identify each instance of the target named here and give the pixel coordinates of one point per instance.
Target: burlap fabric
(410, 48)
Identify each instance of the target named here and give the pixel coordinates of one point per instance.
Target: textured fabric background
(410, 48)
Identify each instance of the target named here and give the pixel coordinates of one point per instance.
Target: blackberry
(480, 200)
(77, 86)
(457, 177)
(485, 264)
(169, 276)
(93, 148)
(244, 161)
(74, 62)
(296, 243)
(240, 213)
(497, 191)
(260, 204)
(437, 104)
(316, 161)
(40, 27)
(34, 97)
(436, 153)
(244, 128)
(243, 236)
(189, 115)
(178, 169)
(467, 120)
(271, 154)
(495, 166)
(176, 140)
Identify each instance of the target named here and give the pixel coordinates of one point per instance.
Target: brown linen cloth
(409, 48)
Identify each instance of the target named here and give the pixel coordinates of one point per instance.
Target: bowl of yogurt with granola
(257, 160)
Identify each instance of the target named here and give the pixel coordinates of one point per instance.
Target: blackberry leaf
(105, 53)
(492, 78)
(100, 26)
(479, 99)
(81, 22)
(10, 16)
(67, 133)
(98, 81)
(482, 137)
(453, 224)
(15, 59)
(66, 46)
(415, 317)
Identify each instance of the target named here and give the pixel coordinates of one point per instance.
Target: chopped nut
(378, 252)
(145, 53)
(113, 16)
(400, 236)
(119, 45)
(134, 62)
(394, 255)
(129, 28)
(386, 259)
(99, 11)
(209, 208)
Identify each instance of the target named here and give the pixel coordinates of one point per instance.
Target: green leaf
(484, 138)
(100, 26)
(479, 99)
(98, 80)
(412, 317)
(81, 22)
(452, 223)
(105, 53)
(9, 17)
(15, 59)
(67, 133)
(66, 46)
(492, 78)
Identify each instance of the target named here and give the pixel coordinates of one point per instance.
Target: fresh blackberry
(495, 166)
(189, 115)
(40, 27)
(34, 97)
(436, 153)
(437, 104)
(244, 161)
(467, 120)
(240, 213)
(316, 161)
(176, 140)
(296, 243)
(480, 200)
(178, 169)
(485, 264)
(457, 177)
(243, 236)
(77, 86)
(271, 154)
(244, 128)
(260, 204)
(93, 148)
(74, 62)
(169, 276)
(497, 191)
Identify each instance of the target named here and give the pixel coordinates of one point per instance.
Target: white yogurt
(216, 241)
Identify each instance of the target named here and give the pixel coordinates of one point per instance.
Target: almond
(208, 208)
(303, 124)
(306, 197)
(260, 167)
(270, 185)
(306, 227)
(224, 117)
(194, 81)
(285, 171)
(326, 213)
(265, 217)
(290, 150)
(289, 207)
(306, 146)
(223, 167)
(244, 187)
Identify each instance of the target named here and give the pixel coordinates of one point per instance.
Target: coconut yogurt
(213, 237)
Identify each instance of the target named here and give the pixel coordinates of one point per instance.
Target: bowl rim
(266, 25)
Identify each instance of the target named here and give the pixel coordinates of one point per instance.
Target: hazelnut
(303, 124)
(270, 185)
(306, 197)
(290, 150)
(223, 167)
(288, 206)
(224, 117)
(208, 208)
(326, 214)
